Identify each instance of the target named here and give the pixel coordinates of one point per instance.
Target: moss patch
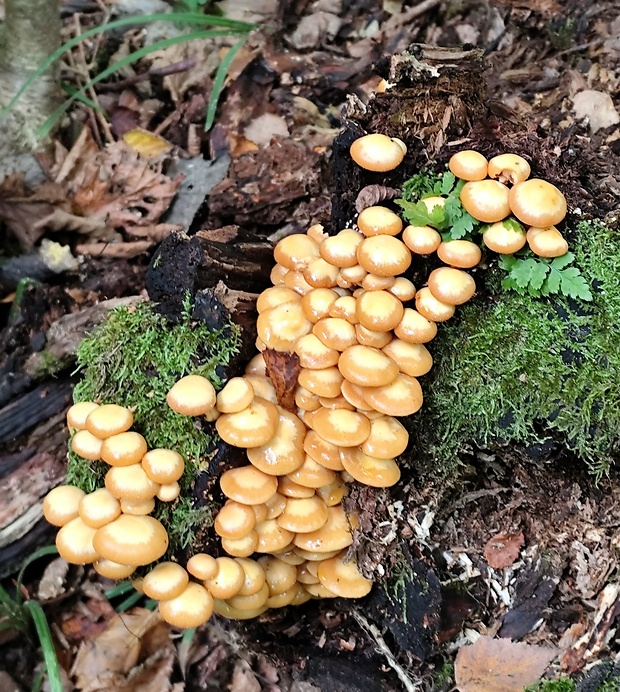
(133, 359)
(526, 370)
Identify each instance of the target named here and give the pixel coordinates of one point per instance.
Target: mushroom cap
(272, 537)
(341, 249)
(130, 483)
(317, 233)
(297, 282)
(379, 311)
(273, 296)
(192, 608)
(113, 570)
(306, 401)
(228, 579)
(99, 508)
(108, 420)
(321, 274)
(290, 556)
(277, 274)
(325, 382)
(288, 488)
(434, 201)
(263, 387)
(305, 576)
(74, 542)
(284, 452)
(280, 576)
(260, 512)
(252, 602)
(459, 253)
(234, 520)
(236, 395)
(377, 152)
(341, 427)
(336, 402)
(486, 200)
(547, 242)
(77, 414)
(354, 394)
(252, 427)
(241, 547)
(322, 451)
(537, 203)
(123, 449)
(352, 276)
(415, 328)
(379, 221)
(403, 397)
(316, 304)
(295, 251)
(275, 506)
(421, 240)
(345, 307)
(344, 579)
(504, 237)
(303, 516)
(138, 540)
(139, 508)
(335, 534)
(163, 465)
(451, 286)
(315, 556)
(313, 354)
(429, 307)
(202, 566)
(412, 359)
(166, 580)
(378, 283)
(224, 610)
(388, 438)
(257, 366)
(335, 333)
(319, 591)
(248, 486)
(192, 395)
(333, 493)
(62, 504)
(468, 165)
(378, 473)
(371, 338)
(280, 327)
(403, 289)
(168, 492)
(509, 168)
(254, 576)
(285, 598)
(86, 445)
(384, 255)
(311, 474)
(366, 367)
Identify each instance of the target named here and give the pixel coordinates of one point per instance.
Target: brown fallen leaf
(283, 370)
(503, 549)
(147, 144)
(499, 665)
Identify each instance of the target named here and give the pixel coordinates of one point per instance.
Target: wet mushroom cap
(138, 540)
(280, 327)
(509, 168)
(343, 579)
(288, 488)
(139, 508)
(192, 608)
(415, 328)
(412, 359)
(377, 152)
(279, 575)
(486, 200)
(303, 516)
(321, 274)
(254, 576)
(223, 609)
(505, 237)
(228, 580)
(78, 413)
(163, 465)
(113, 570)
(272, 537)
(403, 289)
(462, 254)
(431, 308)
(202, 566)
(335, 534)
(241, 547)
(388, 438)
(421, 240)
(295, 251)
(252, 427)
(284, 452)
(468, 165)
(313, 353)
(248, 486)
(537, 203)
(285, 598)
(192, 395)
(377, 473)
(168, 492)
(384, 255)
(379, 221)
(341, 426)
(271, 297)
(236, 395)
(124, 449)
(403, 397)
(316, 304)
(335, 333)
(322, 451)
(379, 311)
(74, 542)
(325, 382)
(166, 580)
(341, 249)
(367, 367)
(99, 508)
(311, 474)
(234, 520)
(130, 483)
(451, 286)
(251, 602)
(547, 242)
(62, 504)
(108, 420)
(87, 445)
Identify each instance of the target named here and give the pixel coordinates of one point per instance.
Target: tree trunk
(31, 34)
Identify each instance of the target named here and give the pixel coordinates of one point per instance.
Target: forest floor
(517, 556)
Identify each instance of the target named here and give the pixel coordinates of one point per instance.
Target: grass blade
(218, 82)
(47, 645)
(82, 98)
(129, 602)
(49, 124)
(189, 18)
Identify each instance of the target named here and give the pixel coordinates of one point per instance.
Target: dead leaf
(503, 549)
(264, 128)
(147, 144)
(500, 665)
(283, 370)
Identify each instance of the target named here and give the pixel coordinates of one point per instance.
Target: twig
(372, 630)
(418, 10)
(181, 66)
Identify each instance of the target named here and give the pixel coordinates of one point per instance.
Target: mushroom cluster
(341, 307)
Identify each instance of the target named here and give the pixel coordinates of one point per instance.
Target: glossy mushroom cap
(123, 449)
(248, 486)
(228, 580)
(451, 286)
(108, 420)
(62, 504)
(192, 395)
(462, 254)
(252, 427)
(509, 168)
(377, 473)
(202, 566)
(75, 543)
(77, 414)
(384, 255)
(192, 608)
(163, 465)
(343, 578)
(415, 328)
(236, 395)
(505, 237)
(99, 508)
(166, 580)
(468, 165)
(367, 367)
(537, 203)
(284, 452)
(547, 242)
(136, 540)
(377, 152)
(379, 221)
(421, 240)
(486, 200)
(87, 445)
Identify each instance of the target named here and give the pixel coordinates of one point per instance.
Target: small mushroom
(274, 296)
(388, 438)
(113, 570)
(99, 508)
(136, 540)
(192, 395)
(281, 326)
(284, 452)
(272, 537)
(509, 168)
(468, 165)
(537, 203)
(412, 359)
(202, 566)
(295, 251)
(384, 255)
(343, 578)
(325, 382)
(130, 483)
(279, 575)
(228, 579)
(341, 249)
(108, 420)
(234, 520)
(86, 445)
(303, 516)
(77, 414)
(335, 333)
(254, 576)
(403, 397)
(415, 328)
(462, 254)
(371, 338)
(166, 580)
(250, 603)
(335, 534)
(74, 542)
(321, 274)
(505, 237)
(168, 492)
(429, 307)
(341, 427)
(403, 289)
(421, 240)
(163, 465)
(311, 474)
(451, 286)
(367, 367)
(547, 242)
(378, 152)
(379, 221)
(486, 200)
(252, 427)
(323, 452)
(241, 547)
(379, 311)
(123, 449)
(62, 504)
(192, 608)
(378, 473)
(316, 304)
(247, 485)
(141, 507)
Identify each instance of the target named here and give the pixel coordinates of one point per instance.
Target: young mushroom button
(377, 152)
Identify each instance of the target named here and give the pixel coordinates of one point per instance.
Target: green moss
(561, 685)
(520, 369)
(133, 359)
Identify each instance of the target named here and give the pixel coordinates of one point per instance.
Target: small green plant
(561, 685)
(22, 614)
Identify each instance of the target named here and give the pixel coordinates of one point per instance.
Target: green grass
(520, 369)
(133, 359)
(561, 685)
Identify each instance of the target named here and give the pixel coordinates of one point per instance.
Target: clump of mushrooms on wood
(359, 329)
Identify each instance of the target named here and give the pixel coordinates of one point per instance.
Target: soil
(509, 73)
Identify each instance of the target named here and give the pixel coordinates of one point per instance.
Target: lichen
(133, 358)
(527, 370)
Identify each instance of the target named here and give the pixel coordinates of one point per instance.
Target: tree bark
(31, 34)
